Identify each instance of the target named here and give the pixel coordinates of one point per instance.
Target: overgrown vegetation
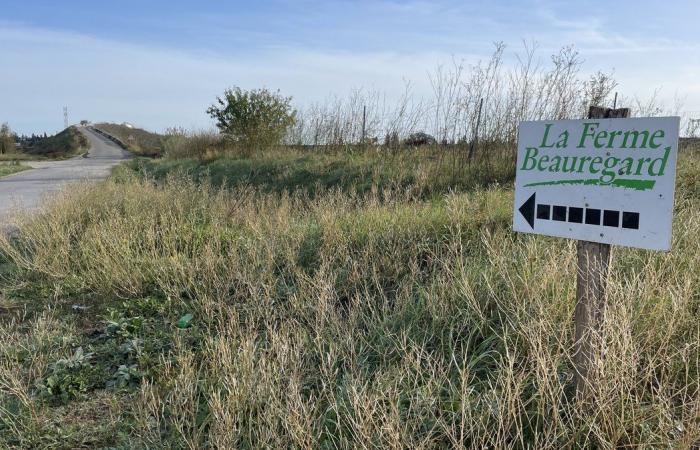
(10, 168)
(69, 142)
(178, 315)
(425, 171)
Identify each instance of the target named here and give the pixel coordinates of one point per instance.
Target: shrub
(419, 139)
(7, 139)
(258, 118)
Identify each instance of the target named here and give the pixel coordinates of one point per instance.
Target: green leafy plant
(125, 327)
(125, 376)
(68, 377)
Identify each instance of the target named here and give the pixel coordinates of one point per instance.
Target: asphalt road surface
(24, 190)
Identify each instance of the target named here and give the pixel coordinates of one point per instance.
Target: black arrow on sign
(610, 217)
(528, 210)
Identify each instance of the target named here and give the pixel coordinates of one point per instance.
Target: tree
(7, 139)
(256, 118)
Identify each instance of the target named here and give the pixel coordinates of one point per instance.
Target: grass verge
(10, 168)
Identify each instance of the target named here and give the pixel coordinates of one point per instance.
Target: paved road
(25, 189)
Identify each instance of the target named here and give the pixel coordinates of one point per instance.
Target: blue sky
(160, 63)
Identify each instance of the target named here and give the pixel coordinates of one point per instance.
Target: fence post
(475, 138)
(364, 122)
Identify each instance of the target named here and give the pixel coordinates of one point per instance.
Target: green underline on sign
(639, 185)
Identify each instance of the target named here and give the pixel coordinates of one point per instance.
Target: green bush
(258, 118)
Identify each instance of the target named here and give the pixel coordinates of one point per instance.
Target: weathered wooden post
(593, 260)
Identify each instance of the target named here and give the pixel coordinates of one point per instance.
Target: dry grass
(336, 321)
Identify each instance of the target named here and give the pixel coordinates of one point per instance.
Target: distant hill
(67, 143)
(137, 140)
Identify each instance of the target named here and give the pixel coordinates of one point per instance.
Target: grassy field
(332, 300)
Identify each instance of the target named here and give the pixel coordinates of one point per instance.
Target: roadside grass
(11, 167)
(179, 314)
(18, 156)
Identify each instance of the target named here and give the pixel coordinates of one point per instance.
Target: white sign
(600, 180)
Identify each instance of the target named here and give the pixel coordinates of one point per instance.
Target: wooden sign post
(606, 180)
(593, 260)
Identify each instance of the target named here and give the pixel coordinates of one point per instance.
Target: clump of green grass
(12, 167)
(231, 318)
(18, 156)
